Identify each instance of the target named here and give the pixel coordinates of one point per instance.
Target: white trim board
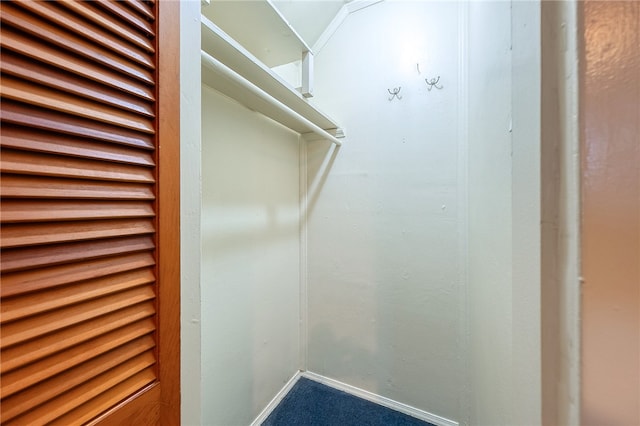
(380, 400)
(276, 400)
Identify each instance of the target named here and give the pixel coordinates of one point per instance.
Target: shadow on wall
(318, 171)
(345, 351)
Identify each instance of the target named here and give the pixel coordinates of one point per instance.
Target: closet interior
(359, 206)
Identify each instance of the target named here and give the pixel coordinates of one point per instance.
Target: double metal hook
(433, 83)
(395, 93)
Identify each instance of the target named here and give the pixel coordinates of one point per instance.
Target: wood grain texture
(109, 398)
(90, 305)
(25, 92)
(107, 21)
(33, 257)
(53, 210)
(50, 233)
(136, 14)
(18, 186)
(169, 211)
(21, 20)
(34, 141)
(36, 372)
(54, 12)
(37, 50)
(78, 375)
(40, 325)
(54, 121)
(28, 305)
(72, 399)
(29, 163)
(19, 356)
(142, 409)
(37, 72)
(32, 280)
(142, 7)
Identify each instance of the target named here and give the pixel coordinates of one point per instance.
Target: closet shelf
(260, 28)
(233, 71)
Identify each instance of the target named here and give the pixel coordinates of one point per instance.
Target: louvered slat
(45, 53)
(24, 21)
(35, 72)
(36, 372)
(31, 257)
(29, 305)
(50, 233)
(33, 350)
(108, 399)
(68, 401)
(41, 211)
(138, 17)
(30, 328)
(75, 376)
(33, 280)
(78, 186)
(34, 141)
(142, 7)
(66, 20)
(17, 162)
(17, 113)
(22, 91)
(18, 186)
(108, 22)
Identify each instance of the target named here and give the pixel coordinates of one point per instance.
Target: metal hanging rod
(214, 64)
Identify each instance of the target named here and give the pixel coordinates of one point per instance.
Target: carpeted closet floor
(313, 404)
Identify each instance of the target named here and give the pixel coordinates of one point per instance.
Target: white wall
(386, 228)
(424, 228)
(250, 260)
(395, 226)
(504, 213)
(490, 214)
(190, 198)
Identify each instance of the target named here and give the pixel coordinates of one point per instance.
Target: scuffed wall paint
(610, 118)
(250, 260)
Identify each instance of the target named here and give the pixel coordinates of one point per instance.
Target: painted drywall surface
(526, 217)
(490, 213)
(250, 260)
(610, 118)
(560, 292)
(384, 233)
(190, 194)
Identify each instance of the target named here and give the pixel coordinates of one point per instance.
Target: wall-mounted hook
(395, 93)
(433, 83)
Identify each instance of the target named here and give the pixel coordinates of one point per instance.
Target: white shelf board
(260, 28)
(225, 49)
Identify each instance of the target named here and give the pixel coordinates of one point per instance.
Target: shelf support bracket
(307, 74)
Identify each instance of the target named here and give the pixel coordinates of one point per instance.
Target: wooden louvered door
(90, 212)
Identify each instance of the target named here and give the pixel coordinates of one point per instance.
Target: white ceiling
(309, 17)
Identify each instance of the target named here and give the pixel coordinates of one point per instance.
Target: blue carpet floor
(313, 404)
